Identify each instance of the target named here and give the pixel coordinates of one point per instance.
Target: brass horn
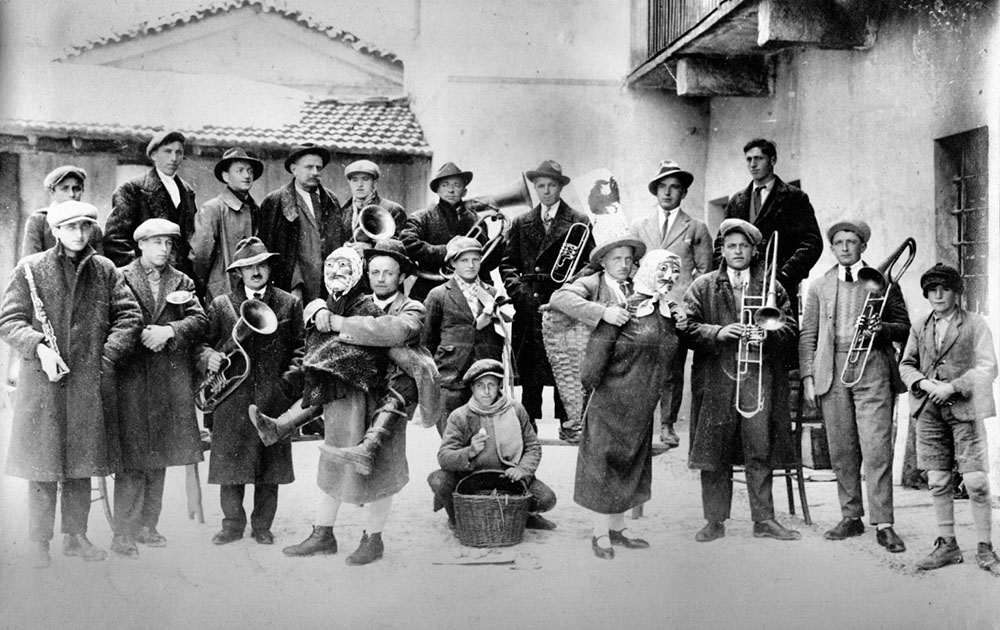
(570, 253)
(375, 223)
(255, 317)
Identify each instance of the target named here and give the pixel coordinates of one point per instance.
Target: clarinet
(43, 319)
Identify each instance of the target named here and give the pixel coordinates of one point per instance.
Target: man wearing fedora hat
(428, 231)
(223, 222)
(160, 193)
(676, 231)
(534, 242)
(301, 222)
(362, 178)
(63, 183)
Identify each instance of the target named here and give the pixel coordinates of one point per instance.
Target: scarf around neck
(500, 419)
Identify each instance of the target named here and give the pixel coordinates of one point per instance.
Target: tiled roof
(207, 9)
(370, 127)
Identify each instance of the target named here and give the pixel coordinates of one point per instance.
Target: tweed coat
(450, 334)
(156, 389)
(966, 360)
(464, 424)
(280, 230)
(817, 333)
(710, 305)
(38, 236)
(145, 197)
(529, 256)
(585, 299)
(238, 456)
(688, 238)
(68, 429)
(222, 222)
(394, 209)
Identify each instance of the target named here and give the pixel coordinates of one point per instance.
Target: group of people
(293, 314)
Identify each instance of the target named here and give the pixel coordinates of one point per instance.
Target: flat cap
(61, 173)
(481, 368)
(857, 226)
(162, 138)
(156, 227)
(739, 225)
(71, 211)
(944, 275)
(459, 245)
(365, 167)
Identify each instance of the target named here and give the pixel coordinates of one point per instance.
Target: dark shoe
(846, 528)
(369, 550)
(668, 437)
(263, 536)
(619, 538)
(124, 546)
(945, 552)
(773, 529)
(987, 559)
(604, 553)
(77, 545)
(40, 558)
(887, 538)
(537, 521)
(711, 531)
(320, 541)
(226, 536)
(150, 537)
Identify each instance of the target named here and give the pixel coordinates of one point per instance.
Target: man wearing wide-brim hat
(669, 227)
(302, 222)
(159, 193)
(534, 243)
(62, 183)
(363, 179)
(428, 231)
(224, 221)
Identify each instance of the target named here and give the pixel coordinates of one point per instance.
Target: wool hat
(162, 138)
(366, 167)
(481, 368)
(249, 252)
(944, 275)
(307, 148)
(156, 227)
(393, 249)
(458, 245)
(234, 155)
(61, 173)
(71, 211)
(669, 168)
(450, 169)
(857, 226)
(739, 225)
(548, 168)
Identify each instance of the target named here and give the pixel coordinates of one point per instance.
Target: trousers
(138, 499)
(75, 507)
(265, 505)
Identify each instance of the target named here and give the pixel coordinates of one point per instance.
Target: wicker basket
(490, 510)
(565, 343)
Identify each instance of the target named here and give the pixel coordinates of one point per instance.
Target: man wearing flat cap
(534, 242)
(676, 231)
(157, 420)
(362, 178)
(63, 183)
(161, 194)
(857, 401)
(64, 427)
(301, 222)
(223, 222)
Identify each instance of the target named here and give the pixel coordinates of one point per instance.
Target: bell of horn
(374, 224)
(514, 194)
(259, 317)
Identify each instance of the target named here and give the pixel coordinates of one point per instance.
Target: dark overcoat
(156, 389)
(238, 456)
(709, 304)
(529, 255)
(38, 236)
(145, 197)
(65, 430)
(219, 226)
(396, 211)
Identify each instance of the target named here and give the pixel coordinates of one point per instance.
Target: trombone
(758, 314)
(570, 253)
(485, 212)
(879, 281)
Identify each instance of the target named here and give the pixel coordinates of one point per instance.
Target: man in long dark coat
(156, 388)
(533, 245)
(64, 429)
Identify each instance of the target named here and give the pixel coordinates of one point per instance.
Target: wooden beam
(718, 76)
(822, 23)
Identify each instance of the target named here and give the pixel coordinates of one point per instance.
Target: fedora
(307, 148)
(669, 168)
(548, 168)
(449, 169)
(250, 251)
(232, 155)
(393, 249)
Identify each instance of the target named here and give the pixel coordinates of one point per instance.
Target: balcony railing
(669, 20)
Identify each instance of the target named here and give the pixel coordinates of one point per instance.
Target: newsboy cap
(739, 225)
(669, 168)
(249, 252)
(156, 227)
(238, 155)
(71, 211)
(944, 275)
(365, 167)
(450, 169)
(548, 168)
(458, 245)
(481, 368)
(61, 173)
(307, 148)
(393, 249)
(162, 138)
(857, 226)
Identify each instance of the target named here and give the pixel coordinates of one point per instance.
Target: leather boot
(388, 416)
(370, 550)
(79, 545)
(320, 541)
(273, 430)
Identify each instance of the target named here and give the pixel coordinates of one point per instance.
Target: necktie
(666, 227)
(623, 285)
(547, 217)
(756, 203)
(848, 276)
(258, 295)
(314, 196)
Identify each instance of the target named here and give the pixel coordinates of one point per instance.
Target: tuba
(255, 317)
(570, 253)
(878, 281)
(374, 224)
(758, 314)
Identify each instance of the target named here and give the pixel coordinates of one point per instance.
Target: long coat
(625, 368)
(61, 430)
(528, 258)
(38, 236)
(709, 304)
(238, 456)
(156, 389)
(221, 223)
(145, 197)
(688, 238)
(396, 211)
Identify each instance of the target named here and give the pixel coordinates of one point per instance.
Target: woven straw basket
(490, 509)
(565, 343)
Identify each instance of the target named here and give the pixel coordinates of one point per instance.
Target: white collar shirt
(765, 190)
(668, 221)
(254, 295)
(616, 288)
(383, 304)
(941, 325)
(842, 274)
(549, 212)
(306, 198)
(171, 185)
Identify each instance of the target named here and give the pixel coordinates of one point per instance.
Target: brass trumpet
(256, 317)
(879, 281)
(570, 253)
(374, 224)
(758, 313)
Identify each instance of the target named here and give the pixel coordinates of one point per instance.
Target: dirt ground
(555, 581)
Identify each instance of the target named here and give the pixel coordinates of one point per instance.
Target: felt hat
(393, 249)
(156, 227)
(71, 211)
(944, 275)
(481, 368)
(548, 168)
(458, 245)
(450, 169)
(233, 155)
(669, 168)
(366, 167)
(249, 251)
(850, 225)
(61, 173)
(162, 138)
(307, 148)
(739, 225)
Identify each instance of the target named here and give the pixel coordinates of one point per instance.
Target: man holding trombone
(851, 317)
